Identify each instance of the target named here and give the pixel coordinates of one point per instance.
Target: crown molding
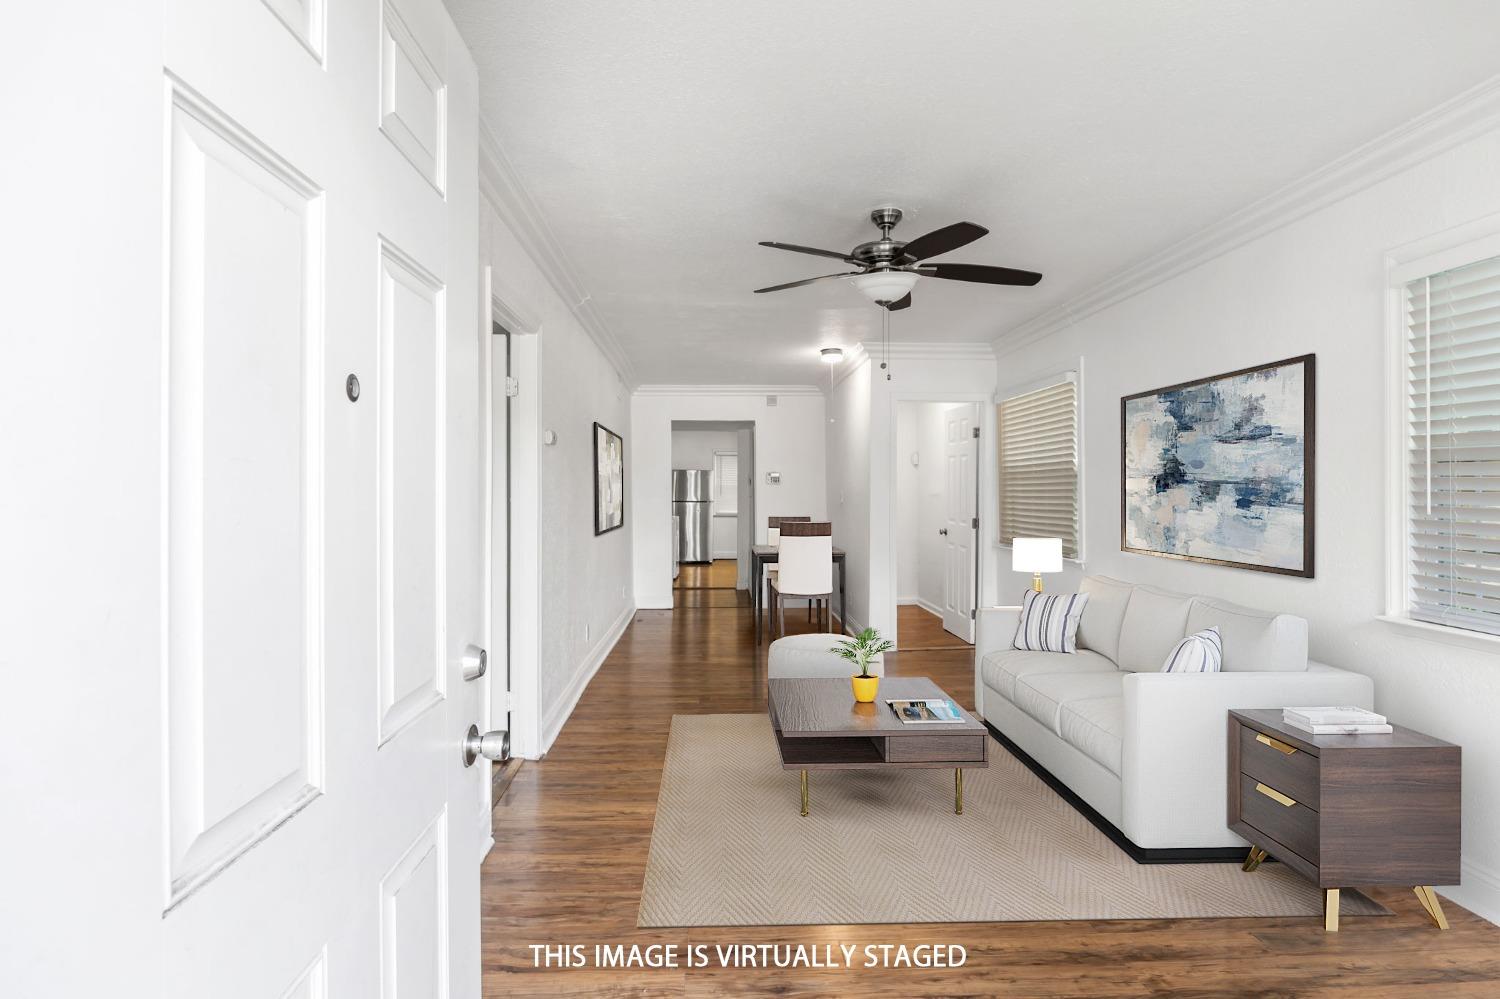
(724, 390)
(1472, 113)
(981, 351)
(502, 188)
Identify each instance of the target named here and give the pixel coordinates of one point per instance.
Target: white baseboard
(908, 601)
(559, 713)
(930, 607)
(726, 555)
(1480, 892)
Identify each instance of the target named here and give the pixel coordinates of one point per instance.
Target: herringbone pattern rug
(729, 848)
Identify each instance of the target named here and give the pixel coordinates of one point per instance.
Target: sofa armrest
(1173, 756)
(994, 631)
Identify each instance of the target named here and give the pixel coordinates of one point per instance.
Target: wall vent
(770, 400)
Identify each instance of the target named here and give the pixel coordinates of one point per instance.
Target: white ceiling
(661, 141)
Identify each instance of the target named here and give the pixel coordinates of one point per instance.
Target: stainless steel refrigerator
(691, 507)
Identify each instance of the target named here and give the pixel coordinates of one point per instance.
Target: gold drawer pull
(1275, 795)
(1276, 744)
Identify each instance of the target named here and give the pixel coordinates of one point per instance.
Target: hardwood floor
(720, 574)
(920, 630)
(573, 831)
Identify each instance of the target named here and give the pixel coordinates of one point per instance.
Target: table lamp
(1036, 556)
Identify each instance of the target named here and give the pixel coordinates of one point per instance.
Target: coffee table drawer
(1267, 808)
(934, 748)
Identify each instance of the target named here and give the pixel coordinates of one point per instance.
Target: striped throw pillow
(1049, 621)
(1199, 653)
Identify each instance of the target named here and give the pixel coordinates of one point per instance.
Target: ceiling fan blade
(949, 237)
(809, 249)
(980, 273)
(900, 303)
(798, 284)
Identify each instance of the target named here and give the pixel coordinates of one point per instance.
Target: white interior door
(960, 455)
(256, 589)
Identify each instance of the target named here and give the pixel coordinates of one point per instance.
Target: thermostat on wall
(549, 437)
(774, 478)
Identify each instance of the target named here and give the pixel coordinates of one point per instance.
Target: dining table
(764, 555)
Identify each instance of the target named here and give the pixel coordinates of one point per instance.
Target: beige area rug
(730, 849)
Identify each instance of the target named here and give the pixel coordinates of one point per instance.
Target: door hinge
(975, 430)
(974, 615)
(975, 524)
(512, 386)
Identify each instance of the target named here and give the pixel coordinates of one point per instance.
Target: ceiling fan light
(831, 355)
(885, 286)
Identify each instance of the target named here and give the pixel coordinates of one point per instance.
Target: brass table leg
(1331, 910)
(1430, 902)
(1253, 860)
(958, 791)
(804, 792)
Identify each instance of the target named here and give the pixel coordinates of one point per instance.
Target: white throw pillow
(1199, 653)
(1049, 622)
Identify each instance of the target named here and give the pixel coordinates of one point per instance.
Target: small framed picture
(609, 480)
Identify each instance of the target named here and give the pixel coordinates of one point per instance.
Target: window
(1038, 442)
(726, 483)
(1451, 363)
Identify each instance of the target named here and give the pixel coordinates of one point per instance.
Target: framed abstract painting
(1220, 469)
(609, 480)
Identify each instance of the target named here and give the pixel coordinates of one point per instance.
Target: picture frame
(1222, 469)
(609, 480)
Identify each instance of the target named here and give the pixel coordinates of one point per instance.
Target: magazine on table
(926, 711)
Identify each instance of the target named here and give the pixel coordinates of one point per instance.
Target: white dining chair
(804, 570)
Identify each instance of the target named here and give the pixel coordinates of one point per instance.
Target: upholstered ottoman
(807, 657)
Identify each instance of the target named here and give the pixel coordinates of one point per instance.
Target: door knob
(475, 662)
(491, 745)
(943, 531)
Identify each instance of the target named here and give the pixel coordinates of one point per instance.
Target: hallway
(573, 832)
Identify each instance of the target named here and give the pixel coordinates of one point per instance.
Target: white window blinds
(1453, 447)
(726, 483)
(1039, 466)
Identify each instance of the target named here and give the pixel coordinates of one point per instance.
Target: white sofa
(808, 656)
(1146, 749)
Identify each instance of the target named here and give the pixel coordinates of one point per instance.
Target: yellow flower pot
(865, 688)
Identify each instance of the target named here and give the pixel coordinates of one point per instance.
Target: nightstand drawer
(1267, 808)
(1265, 757)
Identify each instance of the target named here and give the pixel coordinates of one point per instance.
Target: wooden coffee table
(820, 727)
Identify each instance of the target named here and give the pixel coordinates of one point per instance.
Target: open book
(926, 711)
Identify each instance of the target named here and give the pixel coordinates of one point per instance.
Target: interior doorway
(713, 510)
(936, 503)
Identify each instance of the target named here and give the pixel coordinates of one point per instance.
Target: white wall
(745, 522)
(579, 596)
(788, 439)
(1315, 285)
(695, 449)
(848, 436)
(908, 503)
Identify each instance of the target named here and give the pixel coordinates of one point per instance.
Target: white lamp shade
(885, 286)
(1036, 555)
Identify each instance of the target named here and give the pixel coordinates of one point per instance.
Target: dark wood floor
(920, 630)
(573, 830)
(720, 574)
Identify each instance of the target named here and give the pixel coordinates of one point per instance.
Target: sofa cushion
(1254, 640)
(1096, 727)
(1100, 628)
(1155, 621)
(1042, 695)
(1000, 670)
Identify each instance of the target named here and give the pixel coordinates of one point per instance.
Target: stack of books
(1343, 720)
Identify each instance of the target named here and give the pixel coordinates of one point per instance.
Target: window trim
(1465, 244)
(1055, 376)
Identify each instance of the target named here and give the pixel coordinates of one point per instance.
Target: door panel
(321, 577)
(959, 456)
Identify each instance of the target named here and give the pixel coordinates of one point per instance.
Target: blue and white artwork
(1219, 470)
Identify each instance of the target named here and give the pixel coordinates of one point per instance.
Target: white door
(960, 455)
(300, 571)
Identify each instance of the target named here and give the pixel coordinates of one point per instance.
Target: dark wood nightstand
(1347, 810)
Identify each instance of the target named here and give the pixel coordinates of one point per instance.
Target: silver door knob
(943, 531)
(475, 662)
(490, 745)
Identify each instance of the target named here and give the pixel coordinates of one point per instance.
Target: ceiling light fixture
(886, 285)
(832, 355)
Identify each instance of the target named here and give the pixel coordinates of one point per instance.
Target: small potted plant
(860, 650)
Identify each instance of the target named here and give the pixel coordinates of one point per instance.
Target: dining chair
(773, 538)
(804, 570)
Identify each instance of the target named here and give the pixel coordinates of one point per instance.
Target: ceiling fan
(889, 268)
